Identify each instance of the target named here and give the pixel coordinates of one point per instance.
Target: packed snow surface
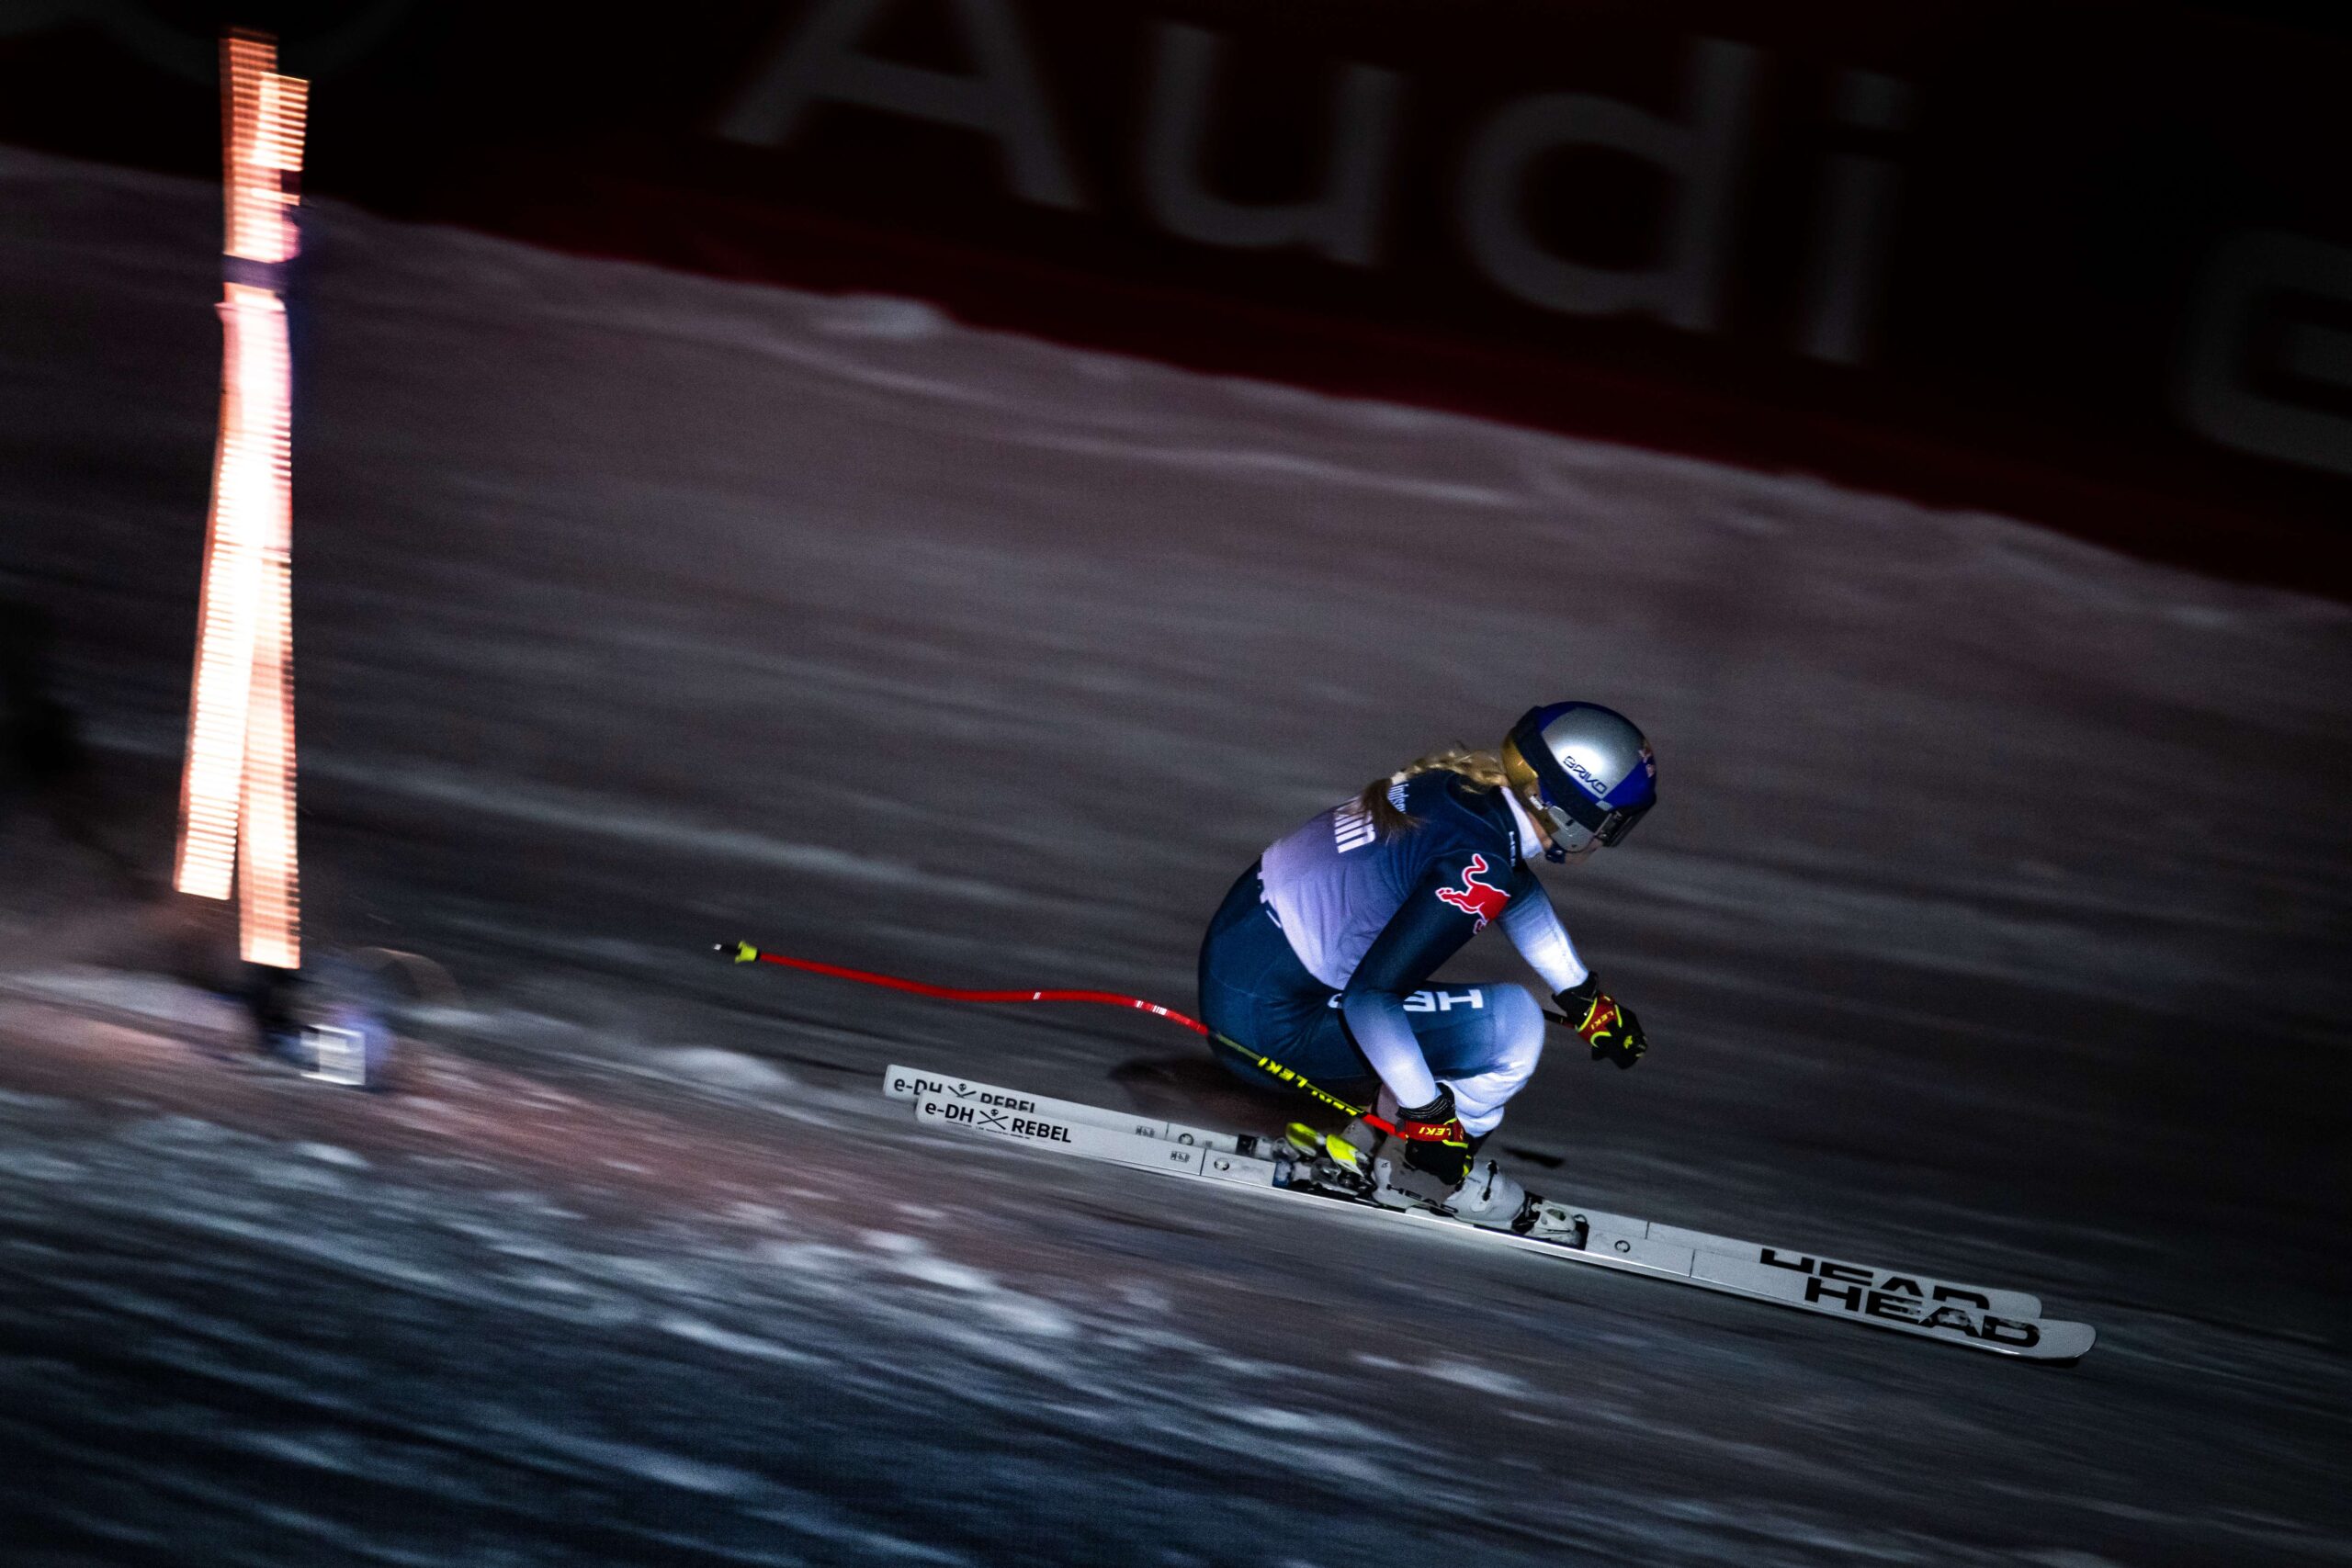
(1992, 923)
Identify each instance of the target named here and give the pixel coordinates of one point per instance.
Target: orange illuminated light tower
(237, 793)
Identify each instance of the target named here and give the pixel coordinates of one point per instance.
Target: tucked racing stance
(1317, 964)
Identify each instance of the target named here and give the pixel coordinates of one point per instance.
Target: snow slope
(1992, 923)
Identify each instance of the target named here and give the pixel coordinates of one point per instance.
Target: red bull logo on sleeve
(1482, 899)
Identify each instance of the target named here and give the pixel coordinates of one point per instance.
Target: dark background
(2063, 180)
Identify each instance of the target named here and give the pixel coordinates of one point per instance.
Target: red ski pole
(744, 953)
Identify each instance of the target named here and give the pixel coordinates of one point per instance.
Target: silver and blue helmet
(1583, 770)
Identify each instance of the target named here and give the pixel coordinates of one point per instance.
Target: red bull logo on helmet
(1482, 899)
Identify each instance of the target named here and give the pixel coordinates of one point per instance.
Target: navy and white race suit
(1321, 954)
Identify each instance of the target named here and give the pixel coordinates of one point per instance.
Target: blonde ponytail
(1381, 799)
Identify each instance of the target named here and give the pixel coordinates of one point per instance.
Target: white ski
(909, 1083)
(1909, 1302)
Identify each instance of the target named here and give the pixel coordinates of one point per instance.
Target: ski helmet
(1583, 770)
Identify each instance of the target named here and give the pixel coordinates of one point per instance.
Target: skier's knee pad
(1519, 1029)
(1508, 1044)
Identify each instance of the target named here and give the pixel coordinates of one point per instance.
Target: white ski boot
(1489, 1197)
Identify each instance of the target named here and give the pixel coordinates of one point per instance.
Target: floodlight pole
(237, 827)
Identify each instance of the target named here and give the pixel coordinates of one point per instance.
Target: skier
(1318, 962)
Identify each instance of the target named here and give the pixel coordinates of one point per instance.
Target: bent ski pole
(744, 953)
